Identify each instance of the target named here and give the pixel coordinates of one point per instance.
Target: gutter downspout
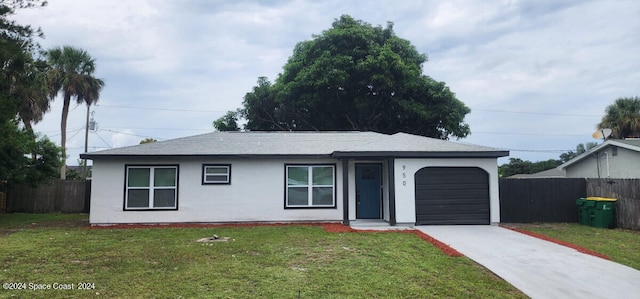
(608, 173)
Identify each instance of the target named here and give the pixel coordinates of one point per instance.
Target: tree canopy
(623, 118)
(25, 157)
(355, 76)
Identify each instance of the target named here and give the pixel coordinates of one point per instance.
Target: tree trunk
(63, 134)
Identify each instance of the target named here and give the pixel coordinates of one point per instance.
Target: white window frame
(309, 186)
(220, 166)
(151, 187)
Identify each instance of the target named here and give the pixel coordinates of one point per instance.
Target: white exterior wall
(624, 165)
(405, 170)
(256, 193)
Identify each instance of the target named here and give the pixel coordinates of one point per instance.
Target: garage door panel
(452, 195)
(458, 200)
(455, 194)
(453, 209)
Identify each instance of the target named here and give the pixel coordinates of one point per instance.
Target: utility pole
(89, 125)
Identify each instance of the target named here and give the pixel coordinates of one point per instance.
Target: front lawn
(262, 261)
(621, 245)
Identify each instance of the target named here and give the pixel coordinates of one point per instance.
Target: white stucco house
(296, 176)
(614, 158)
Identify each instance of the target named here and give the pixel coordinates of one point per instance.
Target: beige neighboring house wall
(617, 159)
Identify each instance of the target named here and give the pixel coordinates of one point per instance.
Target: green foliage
(580, 149)
(24, 157)
(519, 166)
(148, 140)
(355, 76)
(229, 122)
(623, 118)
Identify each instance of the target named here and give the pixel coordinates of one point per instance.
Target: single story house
(614, 158)
(296, 176)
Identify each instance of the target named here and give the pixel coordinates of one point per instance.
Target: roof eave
(421, 154)
(226, 156)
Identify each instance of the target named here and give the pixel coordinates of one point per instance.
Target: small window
(310, 186)
(151, 188)
(216, 174)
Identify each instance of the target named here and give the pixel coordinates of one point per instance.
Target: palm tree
(623, 118)
(71, 73)
(31, 92)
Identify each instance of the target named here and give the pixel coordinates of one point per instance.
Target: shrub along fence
(57, 196)
(554, 199)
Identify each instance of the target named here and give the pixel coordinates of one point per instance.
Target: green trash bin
(602, 211)
(584, 215)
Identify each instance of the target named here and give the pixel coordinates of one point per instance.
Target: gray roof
(549, 173)
(335, 144)
(630, 144)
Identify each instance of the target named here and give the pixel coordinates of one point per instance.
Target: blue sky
(537, 75)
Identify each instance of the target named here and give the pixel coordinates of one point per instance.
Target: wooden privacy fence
(554, 199)
(540, 200)
(57, 196)
(627, 191)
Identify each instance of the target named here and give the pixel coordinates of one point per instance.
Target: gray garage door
(452, 195)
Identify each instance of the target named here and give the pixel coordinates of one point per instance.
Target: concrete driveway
(539, 268)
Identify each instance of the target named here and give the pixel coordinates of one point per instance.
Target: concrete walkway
(540, 269)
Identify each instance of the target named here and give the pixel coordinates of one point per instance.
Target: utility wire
(536, 113)
(160, 109)
(105, 142)
(143, 136)
(532, 134)
(164, 129)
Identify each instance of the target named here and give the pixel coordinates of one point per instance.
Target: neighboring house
(296, 176)
(618, 159)
(545, 174)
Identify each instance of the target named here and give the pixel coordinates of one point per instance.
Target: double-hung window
(310, 186)
(216, 174)
(151, 187)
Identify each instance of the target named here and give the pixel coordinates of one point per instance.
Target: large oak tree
(355, 76)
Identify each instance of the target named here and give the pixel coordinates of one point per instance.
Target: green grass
(621, 245)
(258, 262)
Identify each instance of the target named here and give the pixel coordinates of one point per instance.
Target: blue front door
(368, 191)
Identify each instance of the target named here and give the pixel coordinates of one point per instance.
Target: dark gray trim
(176, 157)
(335, 189)
(392, 191)
(385, 154)
(345, 191)
(336, 154)
(216, 183)
(124, 194)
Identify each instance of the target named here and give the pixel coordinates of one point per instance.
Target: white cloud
(571, 57)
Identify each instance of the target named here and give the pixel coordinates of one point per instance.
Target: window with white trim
(310, 186)
(151, 188)
(216, 174)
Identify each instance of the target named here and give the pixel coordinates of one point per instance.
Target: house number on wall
(404, 175)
